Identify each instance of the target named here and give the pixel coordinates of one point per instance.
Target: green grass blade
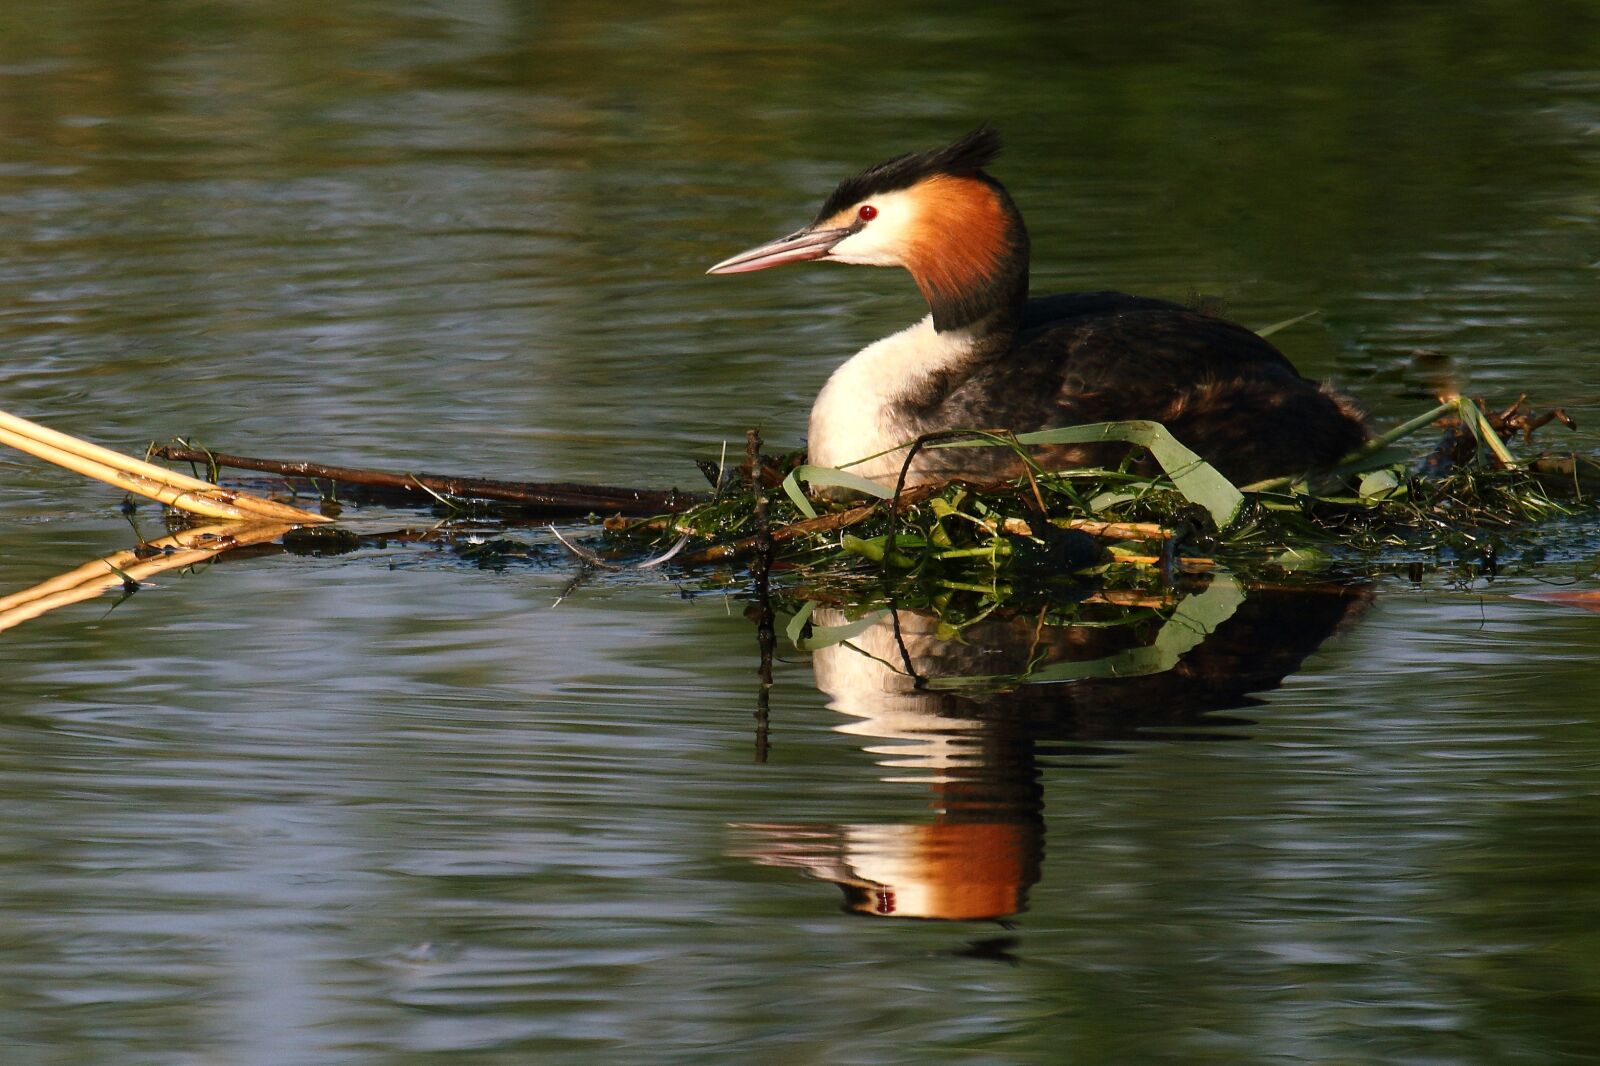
(791, 488)
(828, 477)
(1194, 619)
(1279, 327)
(797, 624)
(824, 636)
(1191, 475)
(1478, 423)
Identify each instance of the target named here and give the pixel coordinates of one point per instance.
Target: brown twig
(842, 519)
(558, 497)
(766, 634)
(905, 471)
(907, 499)
(821, 524)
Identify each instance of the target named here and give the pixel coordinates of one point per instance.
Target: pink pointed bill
(798, 247)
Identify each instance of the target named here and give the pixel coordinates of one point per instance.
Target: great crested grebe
(988, 357)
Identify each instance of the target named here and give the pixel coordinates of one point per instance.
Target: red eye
(867, 213)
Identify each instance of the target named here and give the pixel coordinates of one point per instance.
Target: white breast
(857, 412)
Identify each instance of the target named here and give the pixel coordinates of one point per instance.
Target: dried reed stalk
(145, 479)
(186, 548)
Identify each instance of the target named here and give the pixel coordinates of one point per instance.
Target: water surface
(389, 807)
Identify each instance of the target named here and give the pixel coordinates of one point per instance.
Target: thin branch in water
(563, 497)
(766, 632)
(582, 553)
(583, 575)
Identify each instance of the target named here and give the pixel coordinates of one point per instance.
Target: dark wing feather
(1100, 357)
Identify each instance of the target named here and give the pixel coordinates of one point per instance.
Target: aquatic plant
(1162, 509)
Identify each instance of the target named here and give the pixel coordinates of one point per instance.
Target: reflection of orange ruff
(964, 870)
(1588, 599)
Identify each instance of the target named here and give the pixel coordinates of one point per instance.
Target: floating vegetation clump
(1161, 513)
(1125, 545)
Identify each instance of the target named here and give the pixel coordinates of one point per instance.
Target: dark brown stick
(556, 497)
(766, 637)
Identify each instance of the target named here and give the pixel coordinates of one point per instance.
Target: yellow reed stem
(189, 546)
(142, 478)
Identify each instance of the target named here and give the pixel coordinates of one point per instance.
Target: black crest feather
(966, 156)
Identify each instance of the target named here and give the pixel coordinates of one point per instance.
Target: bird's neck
(973, 270)
(877, 400)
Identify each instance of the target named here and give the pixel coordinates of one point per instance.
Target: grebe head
(935, 213)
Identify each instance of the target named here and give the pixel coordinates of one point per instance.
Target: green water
(392, 808)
